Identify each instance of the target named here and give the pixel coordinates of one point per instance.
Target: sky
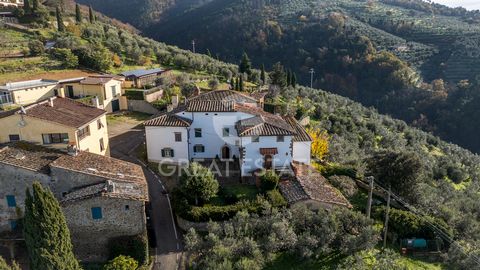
(468, 4)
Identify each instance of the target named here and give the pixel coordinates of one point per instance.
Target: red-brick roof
(169, 120)
(65, 111)
(301, 134)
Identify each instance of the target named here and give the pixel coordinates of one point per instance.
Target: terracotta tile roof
(169, 120)
(99, 79)
(65, 111)
(102, 166)
(129, 191)
(224, 95)
(301, 134)
(259, 94)
(28, 156)
(311, 185)
(210, 106)
(262, 124)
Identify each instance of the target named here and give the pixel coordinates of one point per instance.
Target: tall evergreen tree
(26, 6)
(277, 75)
(35, 5)
(91, 16)
(46, 233)
(289, 78)
(294, 79)
(263, 76)
(60, 25)
(78, 14)
(237, 84)
(241, 87)
(245, 65)
(232, 83)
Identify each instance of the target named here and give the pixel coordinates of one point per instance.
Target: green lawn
(234, 193)
(128, 117)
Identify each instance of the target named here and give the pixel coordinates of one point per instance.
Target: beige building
(102, 198)
(107, 88)
(26, 92)
(57, 123)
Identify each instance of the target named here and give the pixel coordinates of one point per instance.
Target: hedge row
(133, 246)
(134, 94)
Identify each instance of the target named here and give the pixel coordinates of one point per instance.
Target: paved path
(124, 139)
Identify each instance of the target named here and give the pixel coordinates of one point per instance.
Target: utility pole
(193, 46)
(385, 228)
(370, 195)
(312, 71)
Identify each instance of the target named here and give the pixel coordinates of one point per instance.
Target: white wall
(212, 125)
(302, 152)
(159, 138)
(254, 160)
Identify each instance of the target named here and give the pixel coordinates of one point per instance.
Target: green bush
(36, 47)
(134, 94)
(268, 180)
(121, 263)
(132, 246)
(66, 56)
(218, 213)
(276, 199)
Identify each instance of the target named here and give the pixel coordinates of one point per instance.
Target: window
(198, 133)
(178, 136)
(11, 202)
(97, 212)
(114, 91)
(13, 224)
(102, 145)
(255, 138)
(55, 92)
(280, 138)
(127, 207)
(99, 124)
(226, 132)
(14, 137)
(198, 148)
(55, 138)
(84, 132)
(167, 152)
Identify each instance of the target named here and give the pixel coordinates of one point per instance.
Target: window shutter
(163, 152)
(172, 152)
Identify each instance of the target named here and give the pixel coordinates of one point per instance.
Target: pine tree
(91, 16)
(26, 6)
(294, 79)
(245, 65)
(241, 84)
(263, 76)
(60, 25)
(78, 14)
(46, 233)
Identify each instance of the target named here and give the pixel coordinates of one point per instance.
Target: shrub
(345, 184)
(134, 94)
(198, 183)
(69, 60)
(268, 180)
(121, 263)
(276, 199)
(36, 47)
(132, 246)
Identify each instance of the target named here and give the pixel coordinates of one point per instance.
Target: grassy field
(12, 42)
(127, 117)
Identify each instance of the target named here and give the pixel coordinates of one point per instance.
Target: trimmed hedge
(134, 94)
(133, 246)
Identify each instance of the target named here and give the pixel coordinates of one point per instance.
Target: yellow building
(108, 89)
(58, 123)
(26, 92)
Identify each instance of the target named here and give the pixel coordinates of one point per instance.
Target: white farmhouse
(227, 125)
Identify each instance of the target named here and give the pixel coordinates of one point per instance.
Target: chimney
(110, 186)
(197, 91)
(175, 101)
(170, 108)
(72, 150)
(50, 102)
(95, 102)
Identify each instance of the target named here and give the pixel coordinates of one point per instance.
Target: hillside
(427, 71)
(448, 176)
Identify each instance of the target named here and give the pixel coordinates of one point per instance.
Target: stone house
(141, 78)
(102, 198)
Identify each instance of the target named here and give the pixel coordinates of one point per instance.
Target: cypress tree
(46, 233)
(78, 14)
(237, 84)
(26, 6)
(289, 78)
(263, 76)
(35, 5)
(241, 84)
(294, 79)
(245, 65)
(232, 83)
(60, 25)
(91, 16)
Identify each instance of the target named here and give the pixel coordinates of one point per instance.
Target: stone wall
(142, 106)
(120, 217)
(65, 180)
(14, 181)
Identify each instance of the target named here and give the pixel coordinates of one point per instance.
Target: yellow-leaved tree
(320, 140)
